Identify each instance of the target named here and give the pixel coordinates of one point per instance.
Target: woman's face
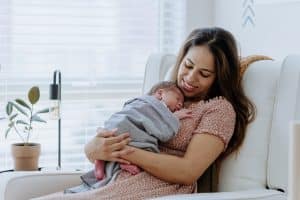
(196, 72)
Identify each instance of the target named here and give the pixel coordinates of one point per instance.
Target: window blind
(100, 47)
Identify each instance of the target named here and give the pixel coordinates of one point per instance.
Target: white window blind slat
(100, 47)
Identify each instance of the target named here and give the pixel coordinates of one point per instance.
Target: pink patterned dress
(216, 117)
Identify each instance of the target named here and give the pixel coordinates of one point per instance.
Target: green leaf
(21, 122)
(19, 108)
(23, 103)
(13, 116)
(6, 132)
(46, 110)
(37, 119)
(9, 108)
(34, 95)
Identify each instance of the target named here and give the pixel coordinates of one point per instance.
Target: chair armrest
(294, 160)
(26, 185)
(260, 194)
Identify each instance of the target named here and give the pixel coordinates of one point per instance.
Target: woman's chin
(192, 96)
(188, 94)
(188, 91)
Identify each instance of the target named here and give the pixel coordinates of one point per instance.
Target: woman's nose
(191, 77)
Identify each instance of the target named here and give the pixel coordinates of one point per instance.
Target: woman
(207, 71)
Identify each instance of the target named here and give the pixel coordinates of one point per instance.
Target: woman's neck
(194, 99)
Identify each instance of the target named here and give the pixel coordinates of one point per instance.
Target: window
(100, 47)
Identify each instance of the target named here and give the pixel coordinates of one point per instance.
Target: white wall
(275, 33)
(199, 13)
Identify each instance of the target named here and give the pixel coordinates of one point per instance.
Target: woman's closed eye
(204, 75)
(188, 66)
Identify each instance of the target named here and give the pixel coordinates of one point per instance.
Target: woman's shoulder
(222, 105)
(219, 102)
(216, 103)
(218, 119)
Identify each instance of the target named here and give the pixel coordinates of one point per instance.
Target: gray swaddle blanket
(148, 121)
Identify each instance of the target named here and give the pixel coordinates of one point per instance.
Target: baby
(164, 93)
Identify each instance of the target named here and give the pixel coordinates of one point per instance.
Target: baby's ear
(158, 94)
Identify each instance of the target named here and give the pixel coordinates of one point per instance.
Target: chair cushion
(287, 108)
(246, 169)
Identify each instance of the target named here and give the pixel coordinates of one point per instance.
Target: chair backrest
(287, 109)
(273, 87)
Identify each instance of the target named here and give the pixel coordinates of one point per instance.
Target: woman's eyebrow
(188, 59)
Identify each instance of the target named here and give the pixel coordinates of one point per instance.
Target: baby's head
(169, 93)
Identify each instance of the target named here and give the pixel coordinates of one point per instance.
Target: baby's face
(173, 99)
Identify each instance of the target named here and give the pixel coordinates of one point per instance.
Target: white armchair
(259, 170)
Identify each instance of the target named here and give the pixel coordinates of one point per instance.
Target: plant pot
(26, 156)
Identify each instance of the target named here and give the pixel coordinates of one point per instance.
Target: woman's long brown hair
(222, 45)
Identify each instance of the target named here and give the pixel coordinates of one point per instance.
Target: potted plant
(21, 117)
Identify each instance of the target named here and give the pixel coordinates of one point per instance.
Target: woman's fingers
(105, 133)
(122, 161)
(127, 150)
(107, 146)
(120, 145)
(116, 139)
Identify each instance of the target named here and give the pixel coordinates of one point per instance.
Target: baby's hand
(183, 113)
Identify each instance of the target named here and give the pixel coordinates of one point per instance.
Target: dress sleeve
(218, 120)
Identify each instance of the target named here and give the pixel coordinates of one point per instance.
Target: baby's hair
(168, 85)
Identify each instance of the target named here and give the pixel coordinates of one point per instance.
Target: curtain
(100, 47)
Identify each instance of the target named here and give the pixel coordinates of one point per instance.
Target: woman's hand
(106, 146)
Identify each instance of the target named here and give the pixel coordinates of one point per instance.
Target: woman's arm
(201, 153)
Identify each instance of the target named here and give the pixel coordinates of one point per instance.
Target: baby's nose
(179, 106)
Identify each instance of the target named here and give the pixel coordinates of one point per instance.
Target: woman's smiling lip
(187, 86)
